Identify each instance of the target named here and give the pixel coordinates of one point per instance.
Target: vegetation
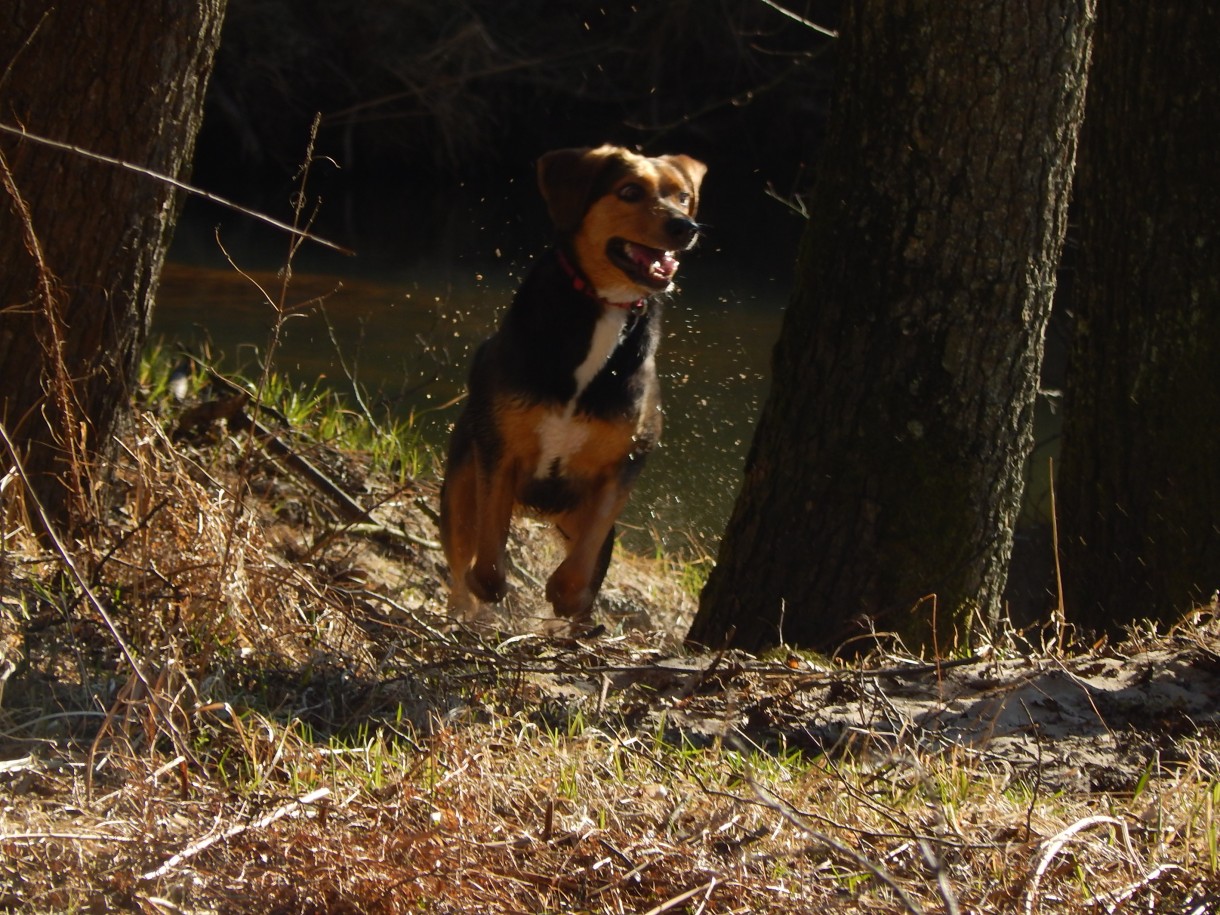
(227, 699)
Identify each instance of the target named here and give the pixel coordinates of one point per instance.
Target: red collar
(580, 284)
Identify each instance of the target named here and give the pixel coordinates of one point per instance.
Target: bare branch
(173, 182)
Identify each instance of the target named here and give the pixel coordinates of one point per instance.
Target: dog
(564, 404)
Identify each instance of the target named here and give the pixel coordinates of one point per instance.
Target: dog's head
(626, 216)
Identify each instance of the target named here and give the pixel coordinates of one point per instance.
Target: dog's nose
(682, 230)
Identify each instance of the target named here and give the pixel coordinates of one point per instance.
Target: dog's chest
(606, 336)
(562, 433)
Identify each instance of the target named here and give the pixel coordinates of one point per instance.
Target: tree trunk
(82, 242)
(1139, 479)
(886, 472)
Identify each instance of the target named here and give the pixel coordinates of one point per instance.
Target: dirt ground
(1081, 719)
(1085, 722)
(296, 667)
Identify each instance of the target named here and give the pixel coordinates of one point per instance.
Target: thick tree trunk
(886, 473)
(1139, 480)
(82, 243)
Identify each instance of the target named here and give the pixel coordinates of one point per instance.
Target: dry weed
(301, 731)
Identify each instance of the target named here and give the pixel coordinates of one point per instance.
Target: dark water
(406, 312)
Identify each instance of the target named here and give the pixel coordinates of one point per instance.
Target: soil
(1080, 719)
(1100, 720)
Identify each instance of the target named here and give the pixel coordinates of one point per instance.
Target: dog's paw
(489, 586)
(571, 600)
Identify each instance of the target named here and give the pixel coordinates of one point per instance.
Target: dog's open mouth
(650, 267)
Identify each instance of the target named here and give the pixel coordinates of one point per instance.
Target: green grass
(394, 445)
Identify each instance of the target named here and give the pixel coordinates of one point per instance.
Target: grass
(310, 738)
(393, 445)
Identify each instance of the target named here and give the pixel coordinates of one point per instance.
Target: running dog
(564, 404)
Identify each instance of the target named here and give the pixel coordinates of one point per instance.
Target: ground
(226, 697)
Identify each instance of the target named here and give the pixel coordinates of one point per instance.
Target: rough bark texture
(1139, 479)
(885, 475)
(121, 79)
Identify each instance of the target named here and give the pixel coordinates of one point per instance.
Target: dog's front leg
(589, 529)
(496, 497)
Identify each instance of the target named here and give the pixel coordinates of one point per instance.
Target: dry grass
(300, 731)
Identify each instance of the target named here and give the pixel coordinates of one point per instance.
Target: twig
(1055, 844)
(70, 564)
(681, 898)
(25, 45)
(879, 873)
(282, 313)
(62, 392)
(1036, 788)
(443, 637)
(289, 809)
(942, 879)
(349, 509)
(1059, 614)
(706, 896)
(349, 373)
(829, 33)
(173, 182)
(1118, 897)
(150, 689)
(67, 836)
(626, 877)
(696, 682)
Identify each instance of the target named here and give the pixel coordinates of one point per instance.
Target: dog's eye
(683, 198)
(632, 193)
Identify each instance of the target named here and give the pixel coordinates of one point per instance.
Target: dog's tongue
(654, 261)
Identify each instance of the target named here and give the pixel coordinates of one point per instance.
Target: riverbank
(234, 695)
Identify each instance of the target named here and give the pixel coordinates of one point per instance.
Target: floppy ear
(567, 179)
(693, 170)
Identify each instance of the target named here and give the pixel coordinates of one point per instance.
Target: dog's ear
(569, 181)
(693, 170)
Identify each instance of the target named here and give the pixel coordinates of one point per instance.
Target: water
(405, 315)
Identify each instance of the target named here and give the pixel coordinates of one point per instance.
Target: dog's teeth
(657, 263)
(664, 266)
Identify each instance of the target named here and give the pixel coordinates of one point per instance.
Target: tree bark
(886, 472)
(1139, 479)
(82, 243)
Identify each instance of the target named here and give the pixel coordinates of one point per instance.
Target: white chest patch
(560, 435)
(606, 336)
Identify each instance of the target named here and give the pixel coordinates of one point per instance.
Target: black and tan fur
(564, 404)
